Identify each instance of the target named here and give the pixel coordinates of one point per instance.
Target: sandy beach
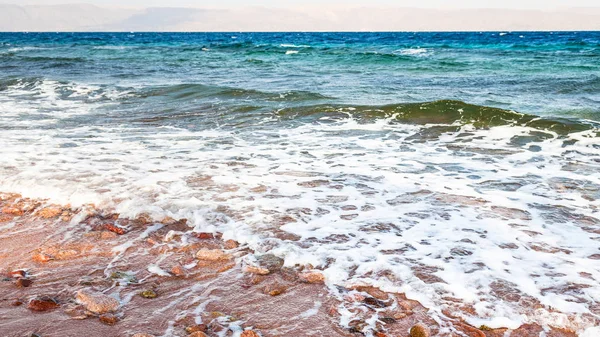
(60, 266)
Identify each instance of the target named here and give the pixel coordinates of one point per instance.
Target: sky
(508, 4)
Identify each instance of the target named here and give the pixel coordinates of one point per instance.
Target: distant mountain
(93, 18)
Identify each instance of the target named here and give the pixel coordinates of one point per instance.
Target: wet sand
(172, 282)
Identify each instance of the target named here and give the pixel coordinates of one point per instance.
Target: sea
(462, 169)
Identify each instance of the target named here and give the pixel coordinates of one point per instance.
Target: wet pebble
(148, 294)
(43, 303)
(212, 255)
(23, 282)
(264, 265)
(109, 319)
(96, 302)
(419, 330)
(312, 276)
(249, 333)
(42, 258)
(195, 328)
(231, 244)
(198, 334)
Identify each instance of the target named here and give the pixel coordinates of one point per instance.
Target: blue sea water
(387, 157)
(541, 73)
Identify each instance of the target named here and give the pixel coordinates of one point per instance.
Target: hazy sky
(520, 4)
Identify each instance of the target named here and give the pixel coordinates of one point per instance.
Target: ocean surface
(460, 168)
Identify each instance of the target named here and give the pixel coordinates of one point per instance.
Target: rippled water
(354, 153)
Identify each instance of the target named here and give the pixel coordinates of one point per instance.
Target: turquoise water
(540, 73)
(390, 157)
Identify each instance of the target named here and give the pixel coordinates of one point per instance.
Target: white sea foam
(287, 45)
(290, 52)
(413, 51)
(468, 215)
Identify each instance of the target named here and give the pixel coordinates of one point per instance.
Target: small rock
(17, 302)
(249, 333)
(109, 319)
(198, 334)
(148, 294)
(42, 258)
(23, 282)
(204, 236)
(212, 255)
(312, 276)
(275, 289)
(12, 211)
(231, 244)
(17, 273)
(108, 235)
(49, 212)
(43, 303)
(195, 328)
(96, 302)
(76, 311)
(178, 271)
(115, 229)
(419, 330)
(265, 264)
(142, 335)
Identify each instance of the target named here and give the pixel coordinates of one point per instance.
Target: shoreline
(168, 279)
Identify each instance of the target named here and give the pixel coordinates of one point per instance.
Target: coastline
(191, 280)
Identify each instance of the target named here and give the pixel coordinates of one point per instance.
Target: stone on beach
(249, 333)
(198, 334)
(96, 302)
(148, 294)
(109, 319)
(42, 258)
(49, 212)
(23, 282)
(231, 244)
(212, 255)
(264, 265)
(419, 330)
(17, 273)
(195, 328)
(43, 303)
(312, 276)
(142, 335)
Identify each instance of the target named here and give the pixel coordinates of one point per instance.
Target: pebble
(148, 294)
(198, 334)
(17, 273)
(178, 271)
(41, 257)
(49, 212)
(204, 236)
(142, 335)
(109, 319)
(23, 282)
(115, 229)
(249, 333)
(265, 264)
(195, 328)
(212, 255)
(419, 330)
(43, 303)
(312, 276)
(96, 302)
(231, 244)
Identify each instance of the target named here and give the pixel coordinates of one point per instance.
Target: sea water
(453, 167)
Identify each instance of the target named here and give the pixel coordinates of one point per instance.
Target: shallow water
(329, 157)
